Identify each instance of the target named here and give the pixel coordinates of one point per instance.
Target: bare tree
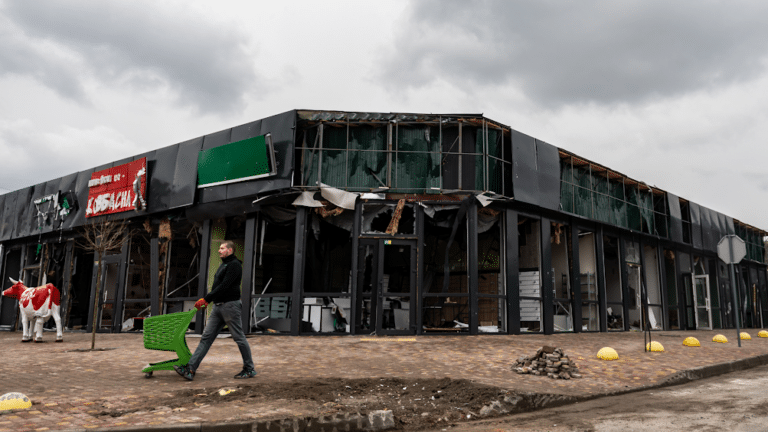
(101, 235)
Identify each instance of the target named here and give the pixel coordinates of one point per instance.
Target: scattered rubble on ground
(548, 361)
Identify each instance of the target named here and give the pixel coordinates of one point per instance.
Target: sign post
(731, 249)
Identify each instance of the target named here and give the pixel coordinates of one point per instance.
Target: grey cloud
(578, 52)
(139, 45)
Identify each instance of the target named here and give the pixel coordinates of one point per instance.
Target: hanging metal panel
(548, 166)
(525, 182)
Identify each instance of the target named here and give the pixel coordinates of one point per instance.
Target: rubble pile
(549, 361)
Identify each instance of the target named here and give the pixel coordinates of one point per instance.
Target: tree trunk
(96, 302)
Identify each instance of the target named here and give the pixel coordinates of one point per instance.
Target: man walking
(225, 295)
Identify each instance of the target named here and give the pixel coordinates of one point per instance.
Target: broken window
(272, 282)
(381, 218)
(446, 284)
(137, 299)
(492, 301)
(327, 276)
(590, 317)
(417, 158)
(613, 290)
(595, 192)
(653, 289)
(562, 253)
(529, 253)
(673, 312)
(685, 214)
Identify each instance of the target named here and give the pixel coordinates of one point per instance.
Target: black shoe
(185, 372)
(246, 374)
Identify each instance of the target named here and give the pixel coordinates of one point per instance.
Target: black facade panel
(123, 161)
(81, 191)
(723, 223)
(548, 167)
(23, 215)
(245, 131)
(185, 176)
(696, 239)
(9, 210)
(706, 229)
(675, 218)
(729, 227)
(525, 181)
(3, 217)
(212, 194)
(68, 183)
(161, 171)
(217, 139)
(717, 233)
(282, 127)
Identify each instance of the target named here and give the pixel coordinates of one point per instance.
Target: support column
(202, 279)
(547, 284)
(512, 264)
(576, 278)
(300, 244)
(602, 295)
(247, 284)
(472, 271)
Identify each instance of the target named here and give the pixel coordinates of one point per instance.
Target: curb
(373, 421)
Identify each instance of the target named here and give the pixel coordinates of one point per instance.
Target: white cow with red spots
(36, 306)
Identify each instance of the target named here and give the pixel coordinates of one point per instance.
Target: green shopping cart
(166, 333)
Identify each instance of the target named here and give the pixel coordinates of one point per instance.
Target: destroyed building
(385, 223)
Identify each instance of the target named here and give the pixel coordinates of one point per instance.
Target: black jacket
(226, 282)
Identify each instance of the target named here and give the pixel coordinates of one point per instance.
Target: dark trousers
(228, 313)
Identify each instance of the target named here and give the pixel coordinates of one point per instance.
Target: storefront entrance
(385, 300)
(701, 300)
(109, 311)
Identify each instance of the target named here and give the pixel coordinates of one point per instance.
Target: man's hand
(201, 304)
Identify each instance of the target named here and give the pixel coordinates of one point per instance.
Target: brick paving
(68, 388)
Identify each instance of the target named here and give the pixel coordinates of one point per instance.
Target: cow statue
(36, 306)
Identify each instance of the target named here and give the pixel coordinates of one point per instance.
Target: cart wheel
(148, 375)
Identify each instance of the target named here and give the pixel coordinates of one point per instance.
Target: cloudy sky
(670, 93)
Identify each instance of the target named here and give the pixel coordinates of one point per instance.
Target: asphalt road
(733, 402)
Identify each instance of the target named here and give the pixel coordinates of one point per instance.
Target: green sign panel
(238, 161)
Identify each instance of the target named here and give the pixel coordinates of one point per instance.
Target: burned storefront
(381, 223)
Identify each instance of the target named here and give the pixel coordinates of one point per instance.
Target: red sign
(118, 189)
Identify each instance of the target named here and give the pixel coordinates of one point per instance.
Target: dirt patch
(416, 404)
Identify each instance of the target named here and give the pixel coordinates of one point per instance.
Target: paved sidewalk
(68, 388)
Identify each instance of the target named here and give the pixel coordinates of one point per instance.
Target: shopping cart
(166, 333)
